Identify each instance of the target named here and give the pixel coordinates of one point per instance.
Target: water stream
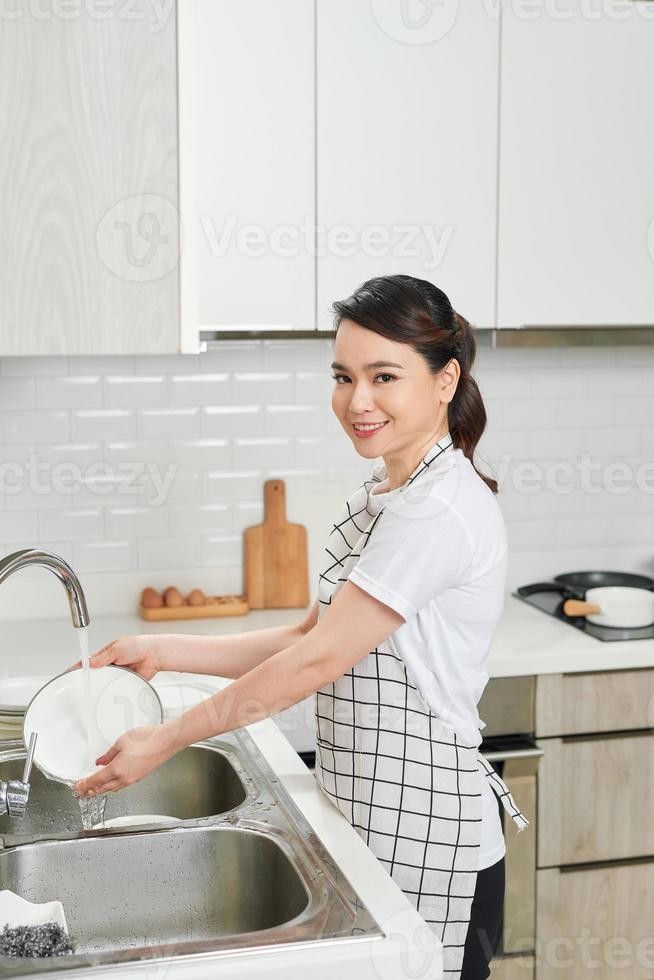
(91, 807)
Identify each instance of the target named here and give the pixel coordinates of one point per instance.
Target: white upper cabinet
(90, 180)
(576, 203)
(407, 111)
(256, 163)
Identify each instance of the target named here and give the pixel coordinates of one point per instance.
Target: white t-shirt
(438, 556)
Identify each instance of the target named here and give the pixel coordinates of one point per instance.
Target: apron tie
(501, 790)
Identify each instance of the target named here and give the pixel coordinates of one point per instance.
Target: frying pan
(618, 599)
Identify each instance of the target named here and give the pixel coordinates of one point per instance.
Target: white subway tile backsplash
(31, 366)
(74, 524)
(270, 451)
(104, 556)
(41, 426)
(293, 420)
(201, 519)
(102, 423)
(225, 550)
(261, 388)
(232, 420)
(200, 389)
(20, 527)
(153, 464)
(17, 392)
(201, 454)
(170, 552)
(134, 391)
(136, 522)
(167, 423)
(233, 484)
(72, 391)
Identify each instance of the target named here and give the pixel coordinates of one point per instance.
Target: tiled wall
(151, 467)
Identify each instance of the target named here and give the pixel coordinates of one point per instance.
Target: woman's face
(379, 380)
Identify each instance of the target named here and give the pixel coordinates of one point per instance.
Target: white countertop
(527, 641)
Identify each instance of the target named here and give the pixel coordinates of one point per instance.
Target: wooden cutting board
(275, 564)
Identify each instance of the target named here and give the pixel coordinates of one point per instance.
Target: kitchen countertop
(527, 641)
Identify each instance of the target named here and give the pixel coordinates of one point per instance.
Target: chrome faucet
(63, 571)
(14, 794)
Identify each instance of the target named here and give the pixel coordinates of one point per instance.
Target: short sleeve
(413, 554)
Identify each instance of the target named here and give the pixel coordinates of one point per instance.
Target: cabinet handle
(501, 756)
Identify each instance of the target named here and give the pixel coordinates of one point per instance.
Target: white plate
(17, 692)
(17, 911)
(135, 821)
(121, 701)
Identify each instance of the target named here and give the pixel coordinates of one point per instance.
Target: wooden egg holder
(217, 605)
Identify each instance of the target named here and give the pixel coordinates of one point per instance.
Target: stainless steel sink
(198, 782)
(242, 871)
(156, 889)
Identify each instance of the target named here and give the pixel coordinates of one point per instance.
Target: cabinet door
(256, 163)
(595, 796)
(595, 923)
(576, 203)
(407, 145)
(89, 240)
(594, 701)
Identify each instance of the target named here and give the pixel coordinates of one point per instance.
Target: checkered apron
(401, 776)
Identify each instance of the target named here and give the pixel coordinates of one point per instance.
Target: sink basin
(244, 871)
(167, 888)
(198, 782)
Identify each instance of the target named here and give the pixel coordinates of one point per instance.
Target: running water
(88, 694)
(91, 807)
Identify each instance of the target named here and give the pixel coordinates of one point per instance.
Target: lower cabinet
(513, 968)
(595, 922)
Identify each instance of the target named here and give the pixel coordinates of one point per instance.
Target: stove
(550, 600)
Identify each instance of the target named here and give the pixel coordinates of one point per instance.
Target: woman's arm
(232, 654)
(354, 624)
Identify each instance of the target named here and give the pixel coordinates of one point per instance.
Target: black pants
(485, 926)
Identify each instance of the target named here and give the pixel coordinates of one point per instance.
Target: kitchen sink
(198, 782)
(160, 889)
(242, 871)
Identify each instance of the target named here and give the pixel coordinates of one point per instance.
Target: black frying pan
(573, 585)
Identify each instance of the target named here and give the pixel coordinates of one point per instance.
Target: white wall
(220, 423)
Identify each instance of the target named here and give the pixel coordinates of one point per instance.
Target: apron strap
(501, 790)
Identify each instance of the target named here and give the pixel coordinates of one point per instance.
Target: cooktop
(551, 602)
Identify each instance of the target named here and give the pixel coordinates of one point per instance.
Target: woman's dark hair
(416, 312)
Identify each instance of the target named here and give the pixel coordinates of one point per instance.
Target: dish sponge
(44, 939)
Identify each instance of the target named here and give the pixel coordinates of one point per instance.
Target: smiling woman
(395, 648)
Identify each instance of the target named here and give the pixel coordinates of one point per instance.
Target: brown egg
(173, 597)
(151, 599)
(196, 598)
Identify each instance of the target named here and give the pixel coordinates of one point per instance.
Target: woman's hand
(134, 756)
(140, 653)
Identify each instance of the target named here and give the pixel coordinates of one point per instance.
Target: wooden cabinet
(512, 968)
(92, 183)
(576, 206)
(596, 922)
(256, 164)
(407, 147)
(594, 797)
(595, 701)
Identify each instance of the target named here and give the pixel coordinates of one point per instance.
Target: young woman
(410, 592)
